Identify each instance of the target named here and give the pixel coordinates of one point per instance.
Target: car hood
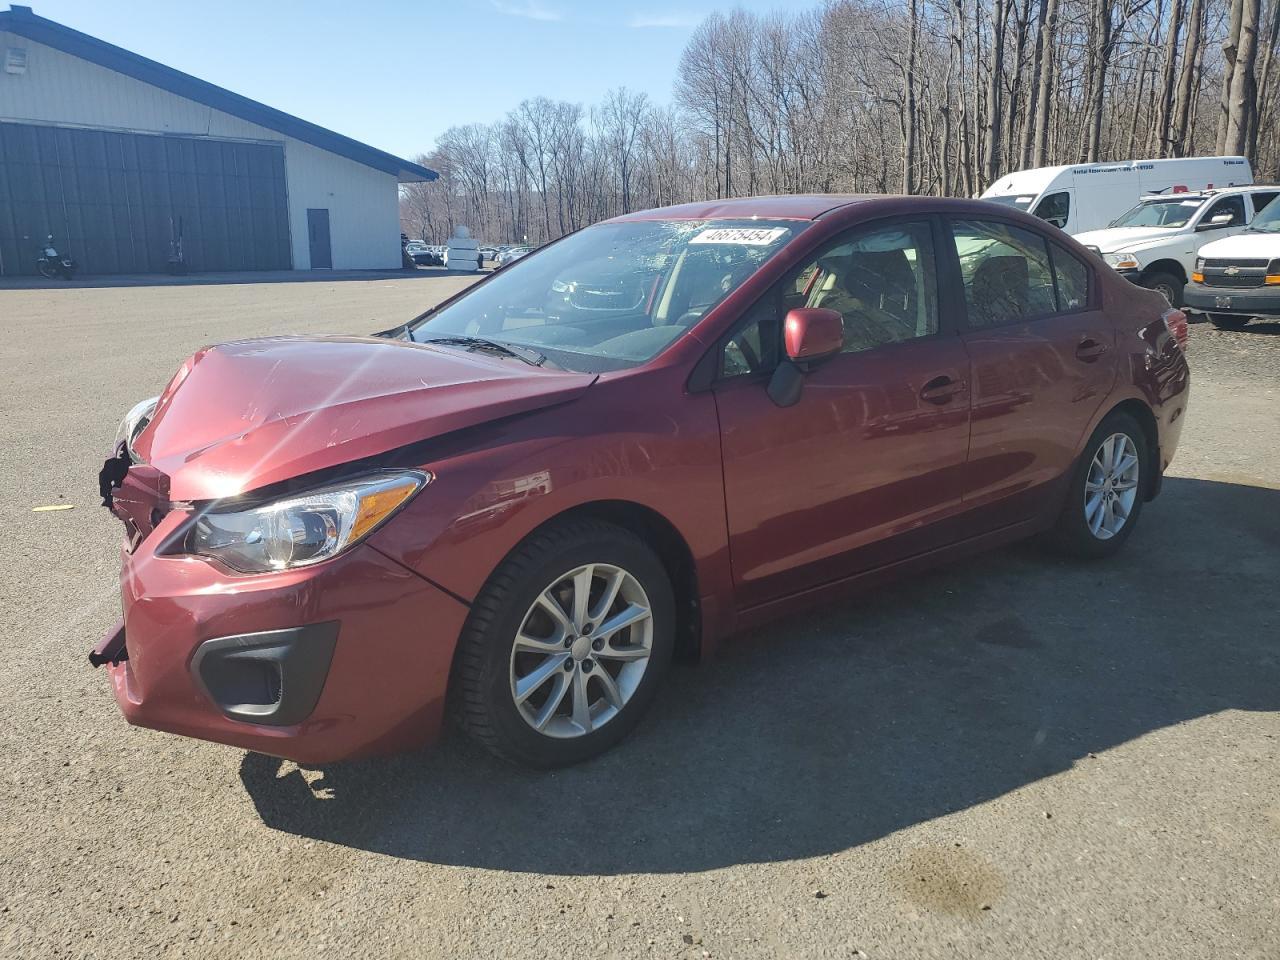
(246, 414)
(1114, 239)
(1244, 245)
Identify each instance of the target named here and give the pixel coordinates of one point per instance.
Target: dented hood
(249, 413)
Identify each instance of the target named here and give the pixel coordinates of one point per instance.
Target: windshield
(1159, 213)
(1268, 221)
(1013, 200)
(614, 295)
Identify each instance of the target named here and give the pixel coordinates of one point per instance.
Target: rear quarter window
(1072, 278)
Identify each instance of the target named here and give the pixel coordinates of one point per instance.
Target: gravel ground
(1021, 758)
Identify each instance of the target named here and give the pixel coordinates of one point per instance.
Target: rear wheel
(48, 271)
(1228, 321)
(1166, 284)
(1107, 490)
(566, 645)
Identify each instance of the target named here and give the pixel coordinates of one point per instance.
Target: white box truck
(1088, 196)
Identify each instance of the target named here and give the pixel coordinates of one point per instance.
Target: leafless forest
(878, 96)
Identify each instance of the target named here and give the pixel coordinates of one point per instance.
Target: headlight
(134, 422)
(1199, 264)
(1121, 261)
(302, 529)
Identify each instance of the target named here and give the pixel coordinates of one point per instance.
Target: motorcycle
(52, 264)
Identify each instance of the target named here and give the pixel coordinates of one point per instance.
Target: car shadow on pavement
(834, 729)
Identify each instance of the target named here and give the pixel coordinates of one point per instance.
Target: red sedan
(630, 444)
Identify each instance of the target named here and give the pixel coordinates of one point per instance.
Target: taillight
(1175, 321)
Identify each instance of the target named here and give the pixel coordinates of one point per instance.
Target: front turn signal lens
(1272, 280)
(379, 503)
(1197, 278)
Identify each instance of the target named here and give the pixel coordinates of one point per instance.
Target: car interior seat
(999, 291)
(875, 291)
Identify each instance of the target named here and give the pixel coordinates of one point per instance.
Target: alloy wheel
(1111, 488)
(582, 648)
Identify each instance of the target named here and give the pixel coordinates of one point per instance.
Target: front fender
(658, 453)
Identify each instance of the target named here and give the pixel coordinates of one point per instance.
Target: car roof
(795, 207)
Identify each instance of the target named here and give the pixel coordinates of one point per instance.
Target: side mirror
(1215, 223)
(810, 335)
(813, 334)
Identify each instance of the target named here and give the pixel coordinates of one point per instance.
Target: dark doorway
(318, 232)
(113, 200)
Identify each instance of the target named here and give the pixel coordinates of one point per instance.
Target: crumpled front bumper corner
(344, 659)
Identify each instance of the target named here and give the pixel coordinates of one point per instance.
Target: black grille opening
(1222, 262)
(240, 683)
(1241, 280)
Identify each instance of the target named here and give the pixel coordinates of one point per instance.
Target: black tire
(1167, 284)
(480, 688)
(1228, 321)
(1071, 534)
(46, 271)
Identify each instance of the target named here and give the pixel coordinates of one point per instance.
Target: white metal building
(116, 155)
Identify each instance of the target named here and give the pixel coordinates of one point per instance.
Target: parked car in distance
(1238, 278)
(525, 512)
(1156, 242)
(511, 255)
(423, 255)
(1086, 196)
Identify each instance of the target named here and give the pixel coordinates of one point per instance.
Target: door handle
(1090, 350)
(941, 389)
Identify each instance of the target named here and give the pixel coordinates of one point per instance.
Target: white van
(1084, 197)
(1238, 278)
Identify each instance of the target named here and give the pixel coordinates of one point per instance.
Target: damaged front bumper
(111, 648)
(341, 659)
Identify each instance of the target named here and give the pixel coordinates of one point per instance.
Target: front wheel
(566, 645)
(1228, 321)
(1107, 490)
(1167, 285)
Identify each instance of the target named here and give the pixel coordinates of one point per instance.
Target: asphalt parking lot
(1022, 758)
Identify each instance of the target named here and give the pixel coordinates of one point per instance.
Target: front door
(860, 470)
(1043, 360)
(318, 234)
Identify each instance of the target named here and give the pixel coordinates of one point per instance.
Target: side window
(1228, 206)
(1261, 199)
(1055, 208)
(1006, 272)
(1073, 280)
(881, 280)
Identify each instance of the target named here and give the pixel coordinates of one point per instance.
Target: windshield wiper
(527, 354)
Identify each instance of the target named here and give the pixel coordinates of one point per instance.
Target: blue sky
(397, 74)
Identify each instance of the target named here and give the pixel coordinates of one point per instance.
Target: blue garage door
(114, 201)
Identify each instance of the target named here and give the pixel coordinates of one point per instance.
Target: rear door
(1042, 360)
(861, 470)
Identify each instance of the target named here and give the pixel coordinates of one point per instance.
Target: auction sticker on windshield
(748, 236)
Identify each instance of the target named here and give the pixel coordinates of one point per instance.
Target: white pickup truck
(1155, 243)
